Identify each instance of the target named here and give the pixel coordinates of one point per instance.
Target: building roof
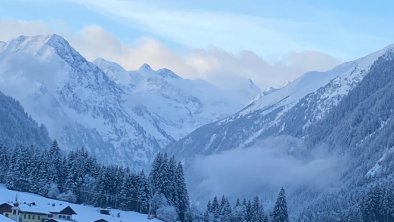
(5, 207)
(32, 209)
(101, 220)
(63, 210)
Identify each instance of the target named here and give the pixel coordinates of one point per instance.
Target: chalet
(62, 212)
(5, 209)
(27, 213)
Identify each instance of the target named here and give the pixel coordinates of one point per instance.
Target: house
(101, 220)
(5, 209)
(27, 213)
(62, 212)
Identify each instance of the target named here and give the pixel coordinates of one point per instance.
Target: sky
(224, 42)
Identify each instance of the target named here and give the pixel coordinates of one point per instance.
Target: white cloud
(199, 29)
(11, 28)
(263, 169)
(213, 64)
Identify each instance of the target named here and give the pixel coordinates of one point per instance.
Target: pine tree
(143, 193)
(225, 210)
(280, 210)
(182, 197)
(239, 212)
(371, 205)
(215, 209)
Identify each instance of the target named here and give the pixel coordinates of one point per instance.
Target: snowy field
(84, 213)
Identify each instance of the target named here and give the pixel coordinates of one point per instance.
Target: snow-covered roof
(58, 208)
(34, 209)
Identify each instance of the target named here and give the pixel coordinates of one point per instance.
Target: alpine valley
(125, 118)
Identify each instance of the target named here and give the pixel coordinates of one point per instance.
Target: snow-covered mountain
(345, 114)
(361, 129)
(286, 111)
(163, 99)
(120, 116)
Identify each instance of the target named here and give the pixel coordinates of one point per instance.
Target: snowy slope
(84, 213)
(77, 102)
(361, 128)
(176, 105)
(17, 128)
(287, 111)
(5, 219)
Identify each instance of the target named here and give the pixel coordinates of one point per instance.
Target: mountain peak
(145, 67)
(34, 44)
(166, 73)
(108, 65)
(55, 38)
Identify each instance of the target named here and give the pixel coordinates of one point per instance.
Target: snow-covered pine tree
(215, 209)
(371, 205)
(143, 192)
(182, 197)
(125, 195)
(4, 162)
(239, 212)
(225, 210)
(280, 209)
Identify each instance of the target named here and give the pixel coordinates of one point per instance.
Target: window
(24, 216)
(68, 218)
(33, 216)
(6, 214)
(14, 212)
(38, 217)
(29, 216)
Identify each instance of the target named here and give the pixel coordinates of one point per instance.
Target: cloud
(220, 67)
(12, 28)
(199, 29)
(214, 65)
(263, 169)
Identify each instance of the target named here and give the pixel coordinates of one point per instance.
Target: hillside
(18, 128)
(288, 111)
(84, 213)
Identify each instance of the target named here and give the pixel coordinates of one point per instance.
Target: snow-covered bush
(68, 196)
(53, 191)
(167, 214)
(158, 201)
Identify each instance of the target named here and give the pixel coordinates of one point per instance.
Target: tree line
(78, 177)
(220, 210)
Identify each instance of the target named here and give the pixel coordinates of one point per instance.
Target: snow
(176, 105)
(346, 76)
(84, 213)
(132, 114)
(378, 167)
(5, 219)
